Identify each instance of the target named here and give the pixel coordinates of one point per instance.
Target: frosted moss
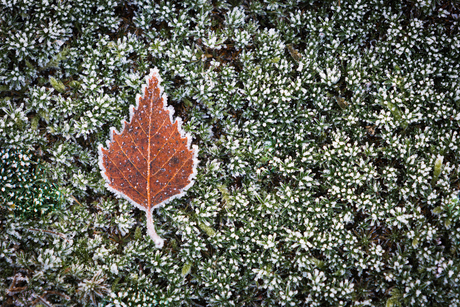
(320, 125)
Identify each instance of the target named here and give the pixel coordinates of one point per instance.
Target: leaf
(58, 85)
(186, 268)
(150, 161)
(437, 169)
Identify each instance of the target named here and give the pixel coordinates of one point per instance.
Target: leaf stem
(151, 230)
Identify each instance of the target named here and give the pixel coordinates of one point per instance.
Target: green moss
(25, 189)
(328, 148)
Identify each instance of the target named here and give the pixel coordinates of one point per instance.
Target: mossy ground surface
(329, 153)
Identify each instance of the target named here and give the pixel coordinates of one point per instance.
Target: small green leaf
(57, 84)
(61, 56)
(225, 194)
(186, 268)
(395, 111)
(437, 169)
(138, 233)
(44, 115)
(415, 242)
(317, 262)
(74, 84)
(207, 229)
(438, 210)
(393, 301)
(34, 122)
(173, 244)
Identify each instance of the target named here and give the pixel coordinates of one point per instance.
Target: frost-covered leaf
(150, 161)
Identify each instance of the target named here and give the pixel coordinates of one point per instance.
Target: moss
(328, 147)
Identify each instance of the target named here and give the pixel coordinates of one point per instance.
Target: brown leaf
(371, 130)
(294, 52)
(150, 161)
